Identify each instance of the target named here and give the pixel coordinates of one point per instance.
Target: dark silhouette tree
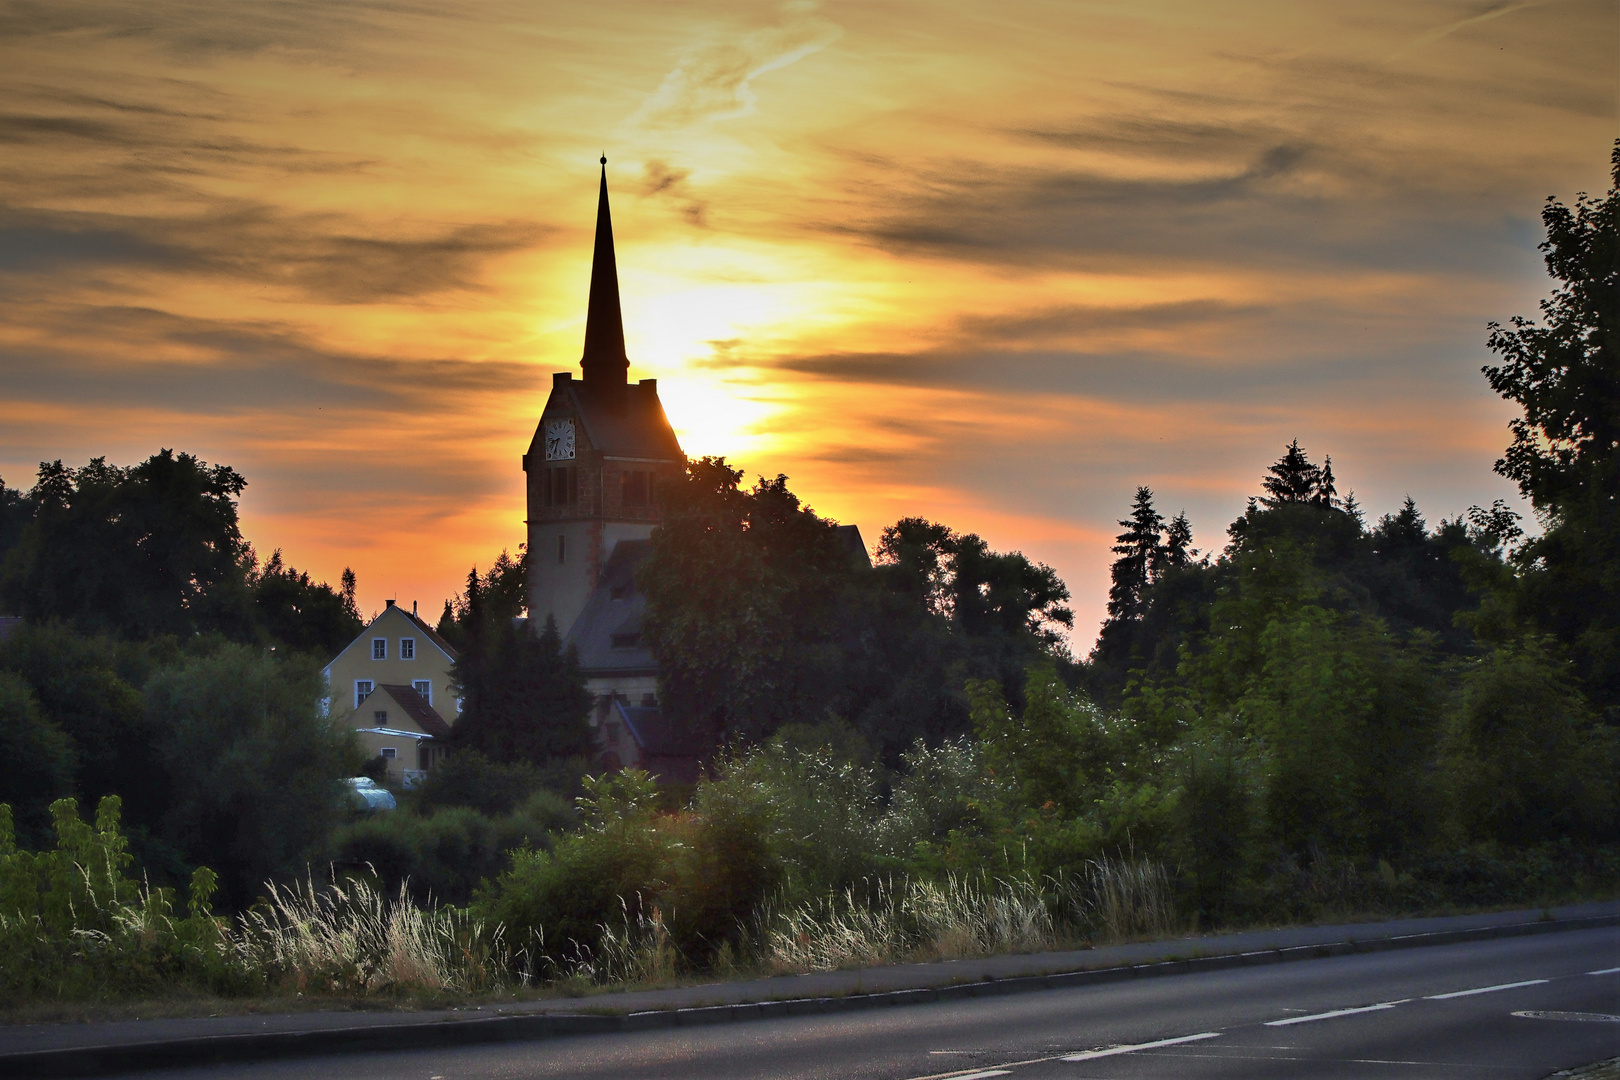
(523, 694)
(1293, 479)
(1140, 549)
(142, 551)
(305, 614)
(1565, 455)
(1178, 550)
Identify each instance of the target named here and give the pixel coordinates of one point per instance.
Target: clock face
(559, 440)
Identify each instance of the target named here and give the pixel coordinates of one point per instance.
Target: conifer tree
(1178, 549)
(1140, 550)
(1326, 494)
(1293, 479)
(523, 693)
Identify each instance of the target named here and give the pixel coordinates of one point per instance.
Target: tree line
(1323, 702)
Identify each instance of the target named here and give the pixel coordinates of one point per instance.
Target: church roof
(604, 359)
(608, 632)
(625, 421)
(620, 420)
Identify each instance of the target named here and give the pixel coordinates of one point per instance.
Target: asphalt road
(1438, 1012)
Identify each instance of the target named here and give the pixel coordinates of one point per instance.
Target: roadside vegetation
(1328, 718)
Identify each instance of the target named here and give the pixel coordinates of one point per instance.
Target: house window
(624, 641)
(380, 717)
(425, 688)
(407, 648)
(562, 548)
(649, 701)
(379, 648)
(362, 690)
(389, 753)
(619, 592)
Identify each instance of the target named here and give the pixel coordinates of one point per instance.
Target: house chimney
(413, 607)
(390, 603)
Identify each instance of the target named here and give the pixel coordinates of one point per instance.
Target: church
(602, 452)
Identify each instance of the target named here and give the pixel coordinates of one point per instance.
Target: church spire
(604, 362)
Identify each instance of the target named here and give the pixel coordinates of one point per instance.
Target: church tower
(601, 453)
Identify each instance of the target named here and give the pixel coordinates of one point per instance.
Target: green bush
(620, 864)
(39, 757)
(1525, 761)
(445, 854)
(253, 762)
(74, 925)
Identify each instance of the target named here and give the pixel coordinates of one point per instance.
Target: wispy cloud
(995, 265)
(713, 80)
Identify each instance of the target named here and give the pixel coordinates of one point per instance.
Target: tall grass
(919, 919)
(912, 919)
(346, 937)
(1127, 900)
(74, 925)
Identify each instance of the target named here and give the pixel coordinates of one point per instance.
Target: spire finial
(604, 159)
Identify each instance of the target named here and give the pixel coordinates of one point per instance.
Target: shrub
(1525, 760)
(39, 757)
(253, 764)
(444, 855)
(619, 866)
(74, 925)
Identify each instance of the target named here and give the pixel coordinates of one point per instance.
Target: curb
(231, 1049)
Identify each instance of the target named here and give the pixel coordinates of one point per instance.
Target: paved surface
(62, 1036)
(1448, 1011)
(102, 1048)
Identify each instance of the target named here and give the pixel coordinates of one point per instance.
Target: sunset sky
(995, 264)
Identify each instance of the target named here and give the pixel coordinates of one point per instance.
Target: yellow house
(405, 731)
(393, 685)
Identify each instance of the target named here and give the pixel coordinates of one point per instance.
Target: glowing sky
(993, 264)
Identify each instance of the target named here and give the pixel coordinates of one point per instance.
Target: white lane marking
(1111, 1051)
(1335, 1012)
(1484, 990)
(979, 1075)
(1605, 971)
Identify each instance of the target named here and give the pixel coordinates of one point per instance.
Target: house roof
(416, 707)
(433, 635)
(607, 633)
(398, 733)
(428, 631)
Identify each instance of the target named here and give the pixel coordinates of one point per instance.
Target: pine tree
(1141, 550)
(1293, 479)
(1178, 550)
(1326, 494)
(523, 693)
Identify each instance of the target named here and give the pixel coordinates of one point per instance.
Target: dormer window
(407, 648)
(620, 592)
(379, 648)
(625, 641)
